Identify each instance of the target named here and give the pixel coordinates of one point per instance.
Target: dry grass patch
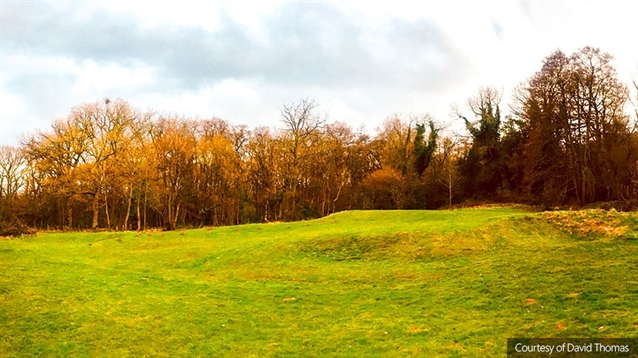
(593, 222)
(416, 329)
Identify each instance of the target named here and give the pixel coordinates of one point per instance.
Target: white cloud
(361, 61)
(10, 129)
(94, 78)
(227, 99)
(154, 14)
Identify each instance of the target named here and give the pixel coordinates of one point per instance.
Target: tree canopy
(569, 138)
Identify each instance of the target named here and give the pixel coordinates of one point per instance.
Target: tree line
(569, 138)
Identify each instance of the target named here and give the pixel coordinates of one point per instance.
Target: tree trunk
(450, 188)
(172, 224)
(106, 207)
(69, 216)
(145, 200)
(139, 218)
(324, 198)
(96, 211)
(334, 202)
(128, 210)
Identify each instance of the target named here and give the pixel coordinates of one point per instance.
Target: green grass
(362, 283)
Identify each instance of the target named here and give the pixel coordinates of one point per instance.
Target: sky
(242, 61)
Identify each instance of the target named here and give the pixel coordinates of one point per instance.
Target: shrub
(13, 226)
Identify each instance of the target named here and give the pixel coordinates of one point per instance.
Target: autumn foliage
(568, 139)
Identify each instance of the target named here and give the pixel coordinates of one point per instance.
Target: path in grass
(386, 283)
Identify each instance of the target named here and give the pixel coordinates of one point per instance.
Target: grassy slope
(355, 283)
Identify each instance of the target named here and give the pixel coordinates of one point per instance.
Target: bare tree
(12, 166)
(447, 163)
(302, 129)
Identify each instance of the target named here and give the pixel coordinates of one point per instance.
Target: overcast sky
(240, 61)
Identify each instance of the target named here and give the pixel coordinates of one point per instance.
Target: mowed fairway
(361, 283)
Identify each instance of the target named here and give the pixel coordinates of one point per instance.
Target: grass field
(361, 283)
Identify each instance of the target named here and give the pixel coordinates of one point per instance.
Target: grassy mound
(386, 283)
